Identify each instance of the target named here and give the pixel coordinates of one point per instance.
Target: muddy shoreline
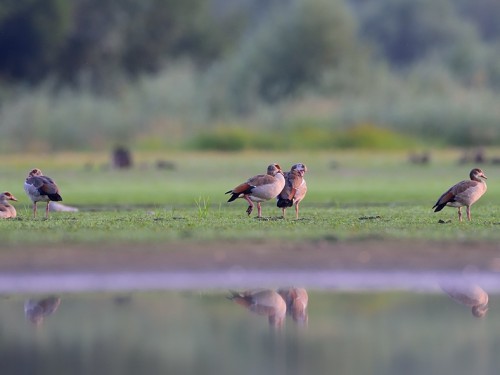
(254, 255)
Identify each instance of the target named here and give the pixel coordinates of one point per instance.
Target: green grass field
(351, 196)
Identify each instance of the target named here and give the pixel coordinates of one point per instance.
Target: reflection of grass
(351, 196)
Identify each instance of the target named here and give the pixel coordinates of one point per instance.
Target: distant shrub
(223, 142)
(224, 139)
(370, 136)
(364, 135)
(290, 50)
(311, 137)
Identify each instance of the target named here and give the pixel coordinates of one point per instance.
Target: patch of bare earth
(261, 255)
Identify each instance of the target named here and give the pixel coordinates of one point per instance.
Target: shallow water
(181, 323)
(363, 280)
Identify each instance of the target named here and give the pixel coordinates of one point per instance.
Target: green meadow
(352, 195)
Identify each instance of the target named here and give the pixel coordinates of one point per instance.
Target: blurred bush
(367, 136)
(294, 46)
(99, 43)
(370, 136)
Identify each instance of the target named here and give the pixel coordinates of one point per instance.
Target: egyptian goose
(465, 193)
(260, 188)
(41, 188)
(472, 296)
(296, 303)
(295, 189)
(263, 302)
(7, 211)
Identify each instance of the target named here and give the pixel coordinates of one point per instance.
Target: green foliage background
(232, 75)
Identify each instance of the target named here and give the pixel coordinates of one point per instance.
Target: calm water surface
(353, 326)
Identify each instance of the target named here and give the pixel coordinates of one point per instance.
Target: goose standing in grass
(40, 188)
(465, 193)
(295, 189)
(263, 302)
(7, 211)
(260, 188)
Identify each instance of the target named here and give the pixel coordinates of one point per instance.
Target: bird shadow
(270, 218)
(441, 221)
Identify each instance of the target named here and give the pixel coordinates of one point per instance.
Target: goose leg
(468, 213)
(250, 205)
(459, 213)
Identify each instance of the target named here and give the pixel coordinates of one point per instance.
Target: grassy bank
(351, 196)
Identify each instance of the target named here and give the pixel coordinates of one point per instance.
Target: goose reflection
(263, 302)
(470, 295)
(36, 310)
(296, 300)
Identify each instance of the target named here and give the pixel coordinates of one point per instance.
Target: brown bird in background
(260, 188)
(295, 189)
(7, 211)
(262, 302)
(465, 193)
(40, 188)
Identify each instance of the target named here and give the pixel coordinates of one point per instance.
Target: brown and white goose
(263, 302)
(295, 189)
(7, 211)
(465, 193)
(40, 188)
(260, 188)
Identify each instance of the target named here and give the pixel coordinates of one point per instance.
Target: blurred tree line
(89, 41)
(93, 41)
(121, 69)
(464, 35)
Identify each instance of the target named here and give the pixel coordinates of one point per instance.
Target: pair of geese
(290, 188)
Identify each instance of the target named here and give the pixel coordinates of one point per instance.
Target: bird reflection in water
(296, 300)
(470, 295)
(275, 304)
(263, 302)
(36, 310)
